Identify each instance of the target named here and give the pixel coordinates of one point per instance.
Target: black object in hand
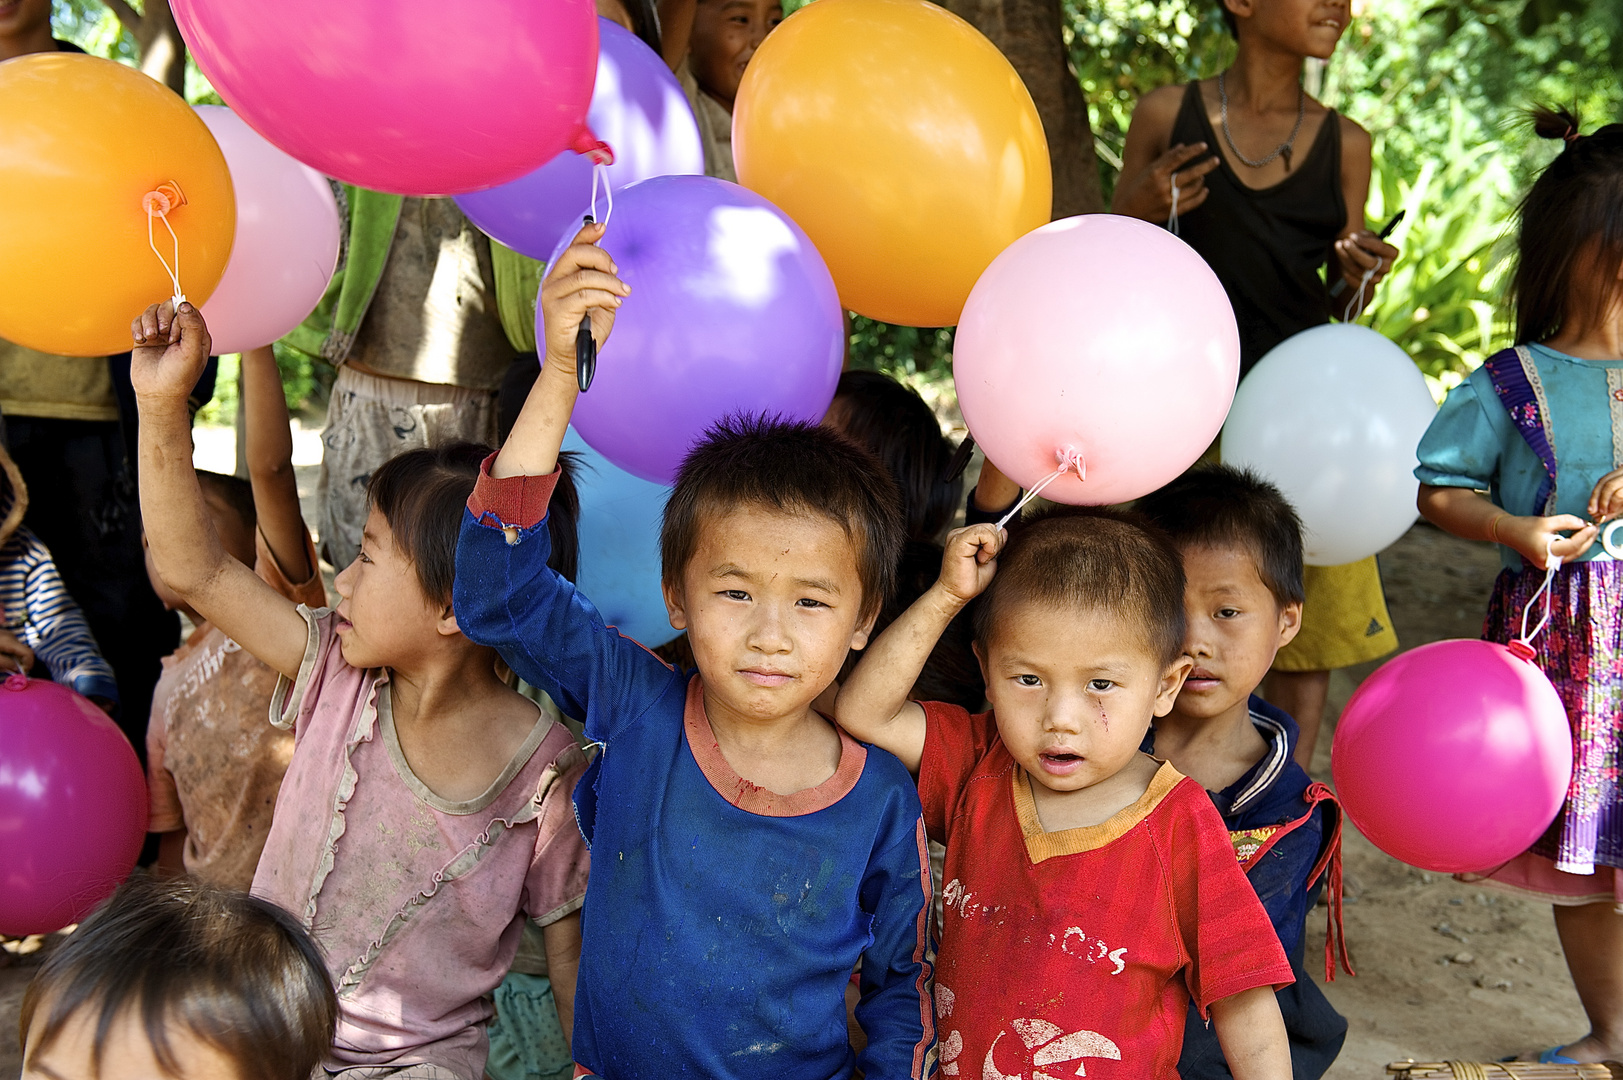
(1341, 285)
(585, 348)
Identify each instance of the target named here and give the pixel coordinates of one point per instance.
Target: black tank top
(1267, 245)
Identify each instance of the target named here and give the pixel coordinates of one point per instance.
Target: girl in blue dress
(1539, 428)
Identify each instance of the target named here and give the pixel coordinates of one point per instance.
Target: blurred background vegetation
(1442, 85)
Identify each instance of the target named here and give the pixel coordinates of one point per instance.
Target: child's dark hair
(1574, 213)
(236, 971)
(1217, 505)
(792, 467)
(423, 494)
(1091, 558)
(235, 492)
(878, 412)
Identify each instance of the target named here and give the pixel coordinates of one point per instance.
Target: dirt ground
(1446, 971)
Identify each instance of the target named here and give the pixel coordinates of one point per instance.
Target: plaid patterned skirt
(1581, 650)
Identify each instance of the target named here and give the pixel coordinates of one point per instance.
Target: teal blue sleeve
(1462, 446)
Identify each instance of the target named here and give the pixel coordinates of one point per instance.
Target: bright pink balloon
(1453, 757)
(73, 807)
(417, 97)
(1102, 334)
(287, 239)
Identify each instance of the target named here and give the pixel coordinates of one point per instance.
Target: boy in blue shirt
(746, 852)
(1241, 544)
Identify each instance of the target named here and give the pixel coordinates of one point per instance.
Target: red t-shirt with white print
(1076, 953)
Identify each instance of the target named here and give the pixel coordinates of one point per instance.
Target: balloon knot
(1522, 651)
(592, 148)
(1069, 458)
(17, 681)
(162, 199)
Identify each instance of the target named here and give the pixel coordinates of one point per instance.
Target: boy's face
(1235, 628)
(726, 34)
(772, 604)
(384, 620)
(126, 1054)
(1074, 691)
(1303, 27)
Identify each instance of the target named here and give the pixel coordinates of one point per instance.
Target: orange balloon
(82, 142)
(904, 144)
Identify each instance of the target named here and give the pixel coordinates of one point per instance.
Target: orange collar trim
(1041, 845)
(752, 798)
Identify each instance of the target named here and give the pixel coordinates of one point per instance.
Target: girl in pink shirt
(426, 810)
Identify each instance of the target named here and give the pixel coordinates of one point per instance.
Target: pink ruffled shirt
(417, 902)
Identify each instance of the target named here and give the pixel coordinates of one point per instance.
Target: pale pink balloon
(1103, 335)
(1454, 756)
(287, 239)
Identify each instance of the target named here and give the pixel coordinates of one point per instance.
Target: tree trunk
(163, 52)
(1028, 33)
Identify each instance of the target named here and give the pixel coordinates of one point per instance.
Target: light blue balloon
(619, 545)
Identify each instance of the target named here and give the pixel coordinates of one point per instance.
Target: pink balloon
(287, 239)
(73, 807)
(1105, 335)
(417, 97)
(1453, 757)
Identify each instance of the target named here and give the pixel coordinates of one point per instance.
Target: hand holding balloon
(580, 290)
(14, 653)
(970, 560)
(1148, 195)
(170, 351)
(1468, 514)
(580, 285)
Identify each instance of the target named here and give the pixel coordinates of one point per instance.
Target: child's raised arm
(873, 704)
(268, 446)
(578, 285)
(170, 351)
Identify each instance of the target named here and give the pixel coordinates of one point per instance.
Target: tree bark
(1028, 33)
(163, 52)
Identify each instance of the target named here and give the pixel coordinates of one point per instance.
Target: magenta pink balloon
(1453, 757)
(409, 96)
(73, 807)
(287, 239)
(1099, 334)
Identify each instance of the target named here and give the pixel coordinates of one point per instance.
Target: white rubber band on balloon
(1552, 563)
(1172, 221)
(608, 193)
(156, 204)
(1069, 458)
(1355, 306)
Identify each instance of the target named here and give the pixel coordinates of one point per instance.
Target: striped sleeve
(44, 617)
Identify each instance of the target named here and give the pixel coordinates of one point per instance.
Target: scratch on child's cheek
(1104, 717)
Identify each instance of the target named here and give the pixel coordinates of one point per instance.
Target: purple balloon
(73, 807)
(731, 312)
(638, 108)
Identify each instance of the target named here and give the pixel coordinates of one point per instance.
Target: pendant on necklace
(1285, 154)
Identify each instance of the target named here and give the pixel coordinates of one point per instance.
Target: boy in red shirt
(1091, 890)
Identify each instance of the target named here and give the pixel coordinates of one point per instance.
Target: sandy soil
(1446, 971)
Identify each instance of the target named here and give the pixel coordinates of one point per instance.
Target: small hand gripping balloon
(73, 807)
(287, 239)
(1102, 345)
(99, 164)
(904, 144)
(731, 312)
(1332, 416)
(639, 109)
(1454, 756)
(415, 97)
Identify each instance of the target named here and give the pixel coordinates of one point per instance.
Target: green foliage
(93, 27)
(221, 409)
(306, 380)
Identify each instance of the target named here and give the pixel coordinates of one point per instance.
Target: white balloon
(1333, 416)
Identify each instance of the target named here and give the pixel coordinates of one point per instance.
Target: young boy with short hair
(1241, 544)
(1091, 890)
(747, 853)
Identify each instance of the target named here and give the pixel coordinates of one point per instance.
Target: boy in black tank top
(1270, 189)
